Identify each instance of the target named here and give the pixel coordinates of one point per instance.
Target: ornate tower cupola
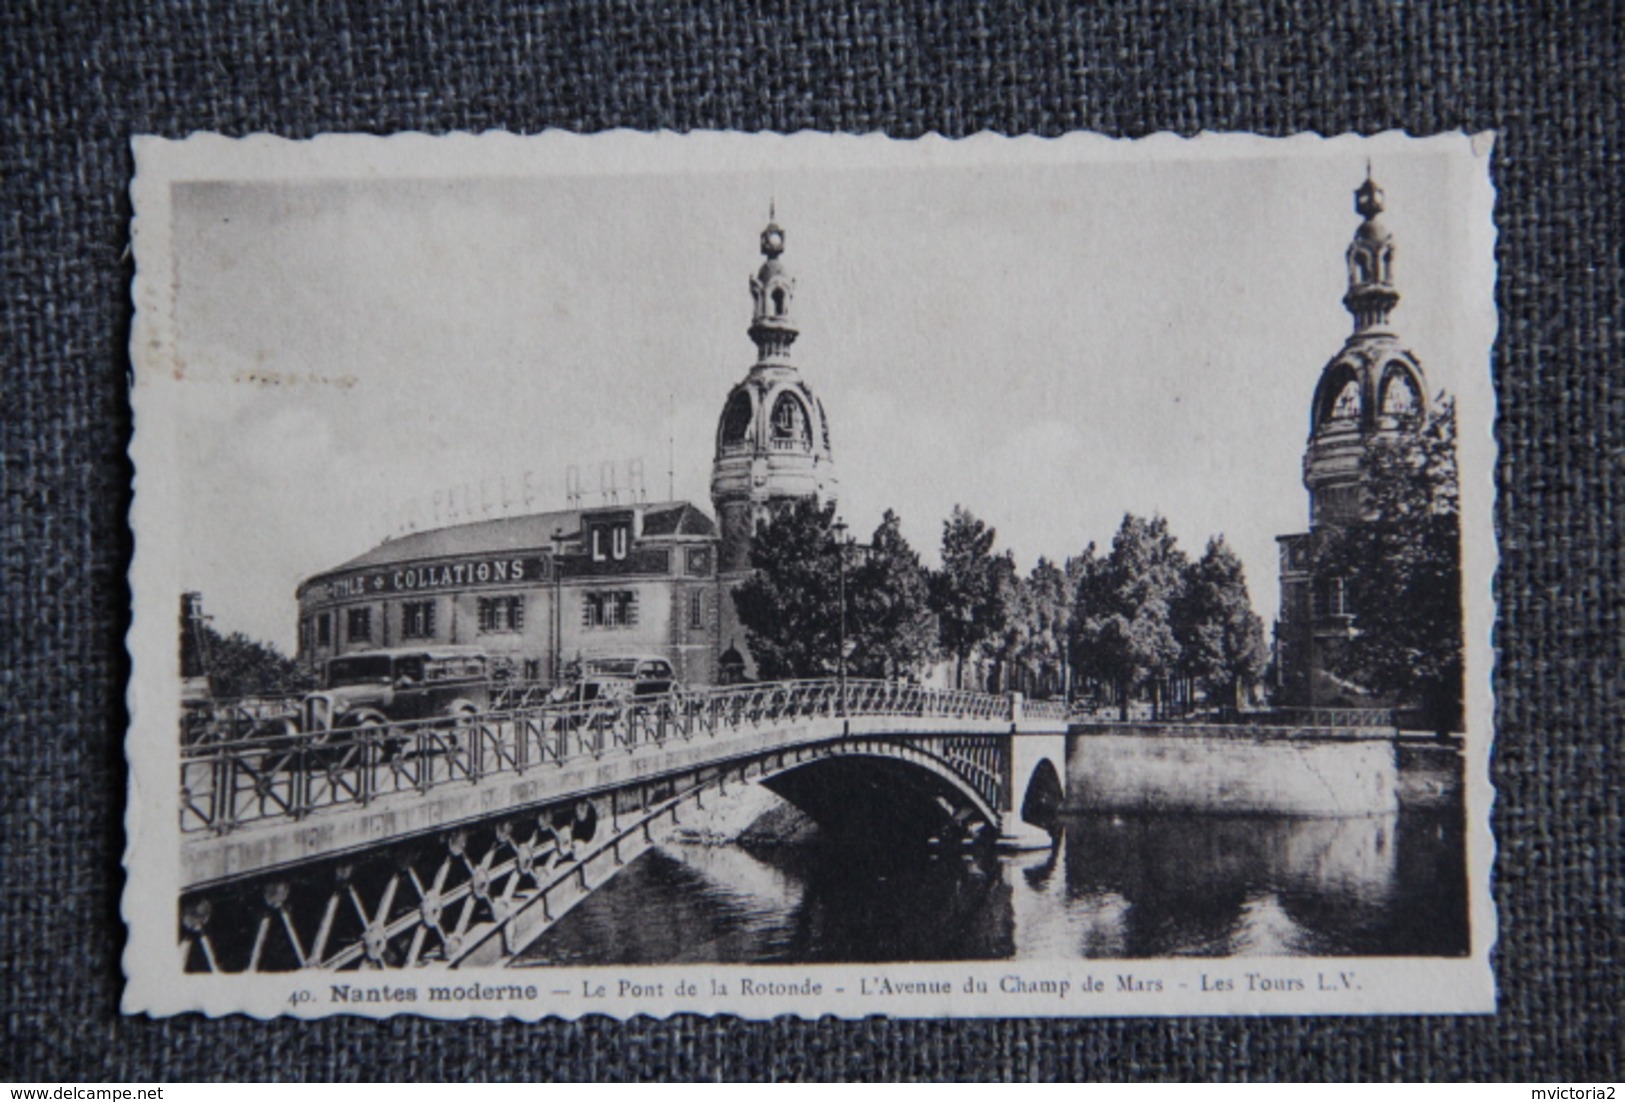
(1372, 385)
(773, 438)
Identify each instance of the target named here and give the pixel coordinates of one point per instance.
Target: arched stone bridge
(459, 843)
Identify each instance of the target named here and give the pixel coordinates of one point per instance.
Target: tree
(1400, 567)
(1122, 621)
(1082, 572)
(1046, 608)
(889, 619)
(965, 592)
(238, 665)
(1221, 638)
(1009, 644)
(790, 606)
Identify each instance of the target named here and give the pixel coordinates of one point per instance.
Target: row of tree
(1142, 619)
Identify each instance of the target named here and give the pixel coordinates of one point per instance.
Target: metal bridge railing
(1058, 710)
(1342, 718)
(287, 775)
(231, 720)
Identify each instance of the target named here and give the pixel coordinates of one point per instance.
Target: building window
(304, 635)
(1330, 599)
(501, 613)
(698, 562)
(1338, 598)
(610, 609)
(358, 625)
(417, 620)
(696, 609)
(324, 629)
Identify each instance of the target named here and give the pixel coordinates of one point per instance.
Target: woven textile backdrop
(80, 80)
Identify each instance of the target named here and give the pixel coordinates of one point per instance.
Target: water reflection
(1114, 887)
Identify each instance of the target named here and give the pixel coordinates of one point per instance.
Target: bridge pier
(1034, 788)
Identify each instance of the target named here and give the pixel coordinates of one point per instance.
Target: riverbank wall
(1234, 770)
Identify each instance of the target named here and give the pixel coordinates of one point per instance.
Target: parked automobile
(619, 678)
(378, 687)
(610, 689)
(647, 676)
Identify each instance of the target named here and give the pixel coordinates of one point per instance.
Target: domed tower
(773, 438)
(1373, 385)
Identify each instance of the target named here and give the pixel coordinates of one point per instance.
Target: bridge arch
(875, 790)
(1044, 794)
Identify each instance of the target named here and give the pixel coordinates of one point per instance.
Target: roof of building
(523, 533)
(677, 518)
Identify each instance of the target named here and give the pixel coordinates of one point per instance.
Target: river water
(1113, 887)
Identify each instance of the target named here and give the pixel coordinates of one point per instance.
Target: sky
(1050, 343)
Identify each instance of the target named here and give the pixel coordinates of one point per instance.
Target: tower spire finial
(1371, 294)
(772, 291)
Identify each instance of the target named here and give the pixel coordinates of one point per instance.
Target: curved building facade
(544, 591)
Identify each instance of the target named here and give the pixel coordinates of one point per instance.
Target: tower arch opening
(1400, 399)
(1361, 266)
(1045, 795)
(790, 422)
(736, 419)
(1338, 403)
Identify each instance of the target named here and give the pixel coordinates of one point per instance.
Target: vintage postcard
(641, 573)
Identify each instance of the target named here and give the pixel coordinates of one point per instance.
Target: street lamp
(838, 530)
(558, 613)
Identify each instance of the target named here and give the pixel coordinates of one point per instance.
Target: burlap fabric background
(80, 80)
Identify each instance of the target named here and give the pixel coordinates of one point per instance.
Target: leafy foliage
(238, 666)
(1221, 638)
(1049, 604)
(1032, 653)
(890, 624)
(791, 606)
(970, 593)
(1401, 570)
(1122, 624)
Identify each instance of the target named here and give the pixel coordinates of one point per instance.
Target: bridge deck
(260, 803)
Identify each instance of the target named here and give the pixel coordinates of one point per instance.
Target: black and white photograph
(633, 574)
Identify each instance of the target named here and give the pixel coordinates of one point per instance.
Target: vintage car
(377, 687)
(619, 678)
